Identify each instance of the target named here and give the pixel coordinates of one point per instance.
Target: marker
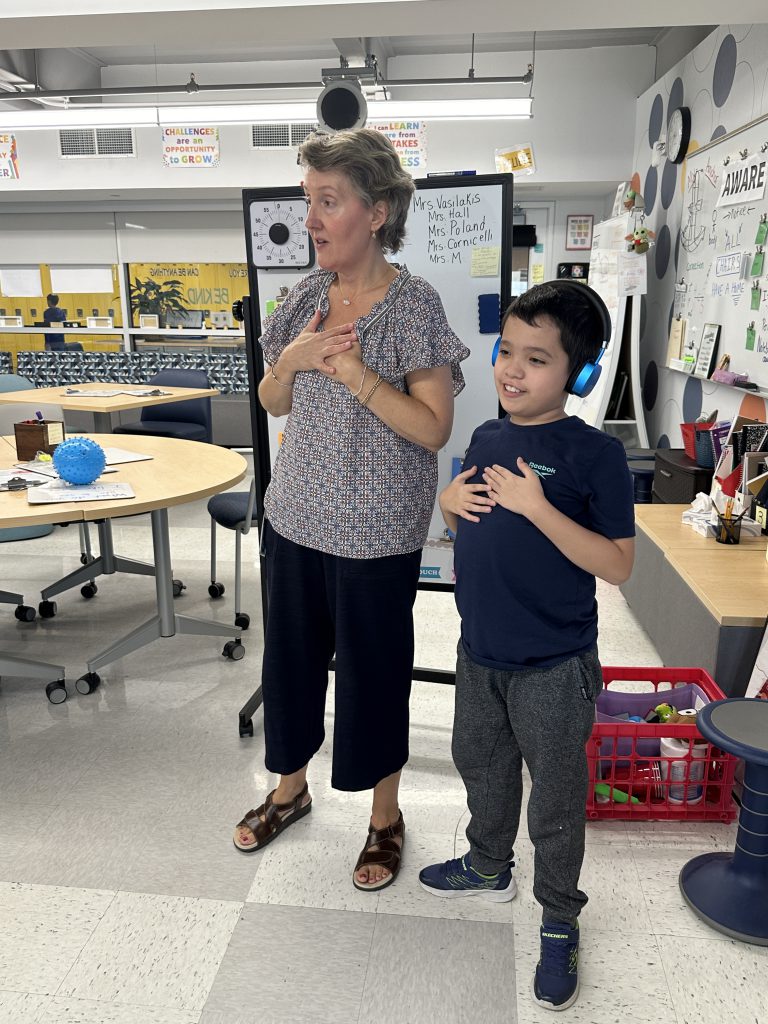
(39, 416)
(450, 174)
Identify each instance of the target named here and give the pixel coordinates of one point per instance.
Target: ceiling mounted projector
(341, 105)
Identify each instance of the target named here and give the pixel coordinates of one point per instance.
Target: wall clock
(678, 134)
(279, 236)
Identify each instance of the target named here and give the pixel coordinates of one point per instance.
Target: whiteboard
(452, 234)
(20, 282)
(722, 207)
(608, 245)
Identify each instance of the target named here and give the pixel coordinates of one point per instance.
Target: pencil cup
(728, 529)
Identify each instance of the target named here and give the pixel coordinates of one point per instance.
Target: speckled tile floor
(123, 901)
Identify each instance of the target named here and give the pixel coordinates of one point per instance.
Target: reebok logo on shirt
(542, 471)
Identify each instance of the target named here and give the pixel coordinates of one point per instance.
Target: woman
(362, 360)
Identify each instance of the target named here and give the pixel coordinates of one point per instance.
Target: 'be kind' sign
(744, 182)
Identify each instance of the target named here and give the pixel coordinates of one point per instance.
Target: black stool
(234, 511)
(730, 890)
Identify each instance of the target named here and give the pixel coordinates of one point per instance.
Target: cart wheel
(84, 559)
(233, 650)
(88, 683)
(216, 590)
(242, 621)
(47, 609)
(245, 728)
(56, 692)
(178, 586)
(89, 590)
(24, 613)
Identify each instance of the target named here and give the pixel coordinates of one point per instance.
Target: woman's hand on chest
(313, 349)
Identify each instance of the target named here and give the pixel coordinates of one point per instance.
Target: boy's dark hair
(53, 299)
(580, 326)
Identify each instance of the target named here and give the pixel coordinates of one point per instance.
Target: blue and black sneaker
(458, 878)
(556, 981)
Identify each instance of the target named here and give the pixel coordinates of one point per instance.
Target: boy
(543, 505)
(54, 315)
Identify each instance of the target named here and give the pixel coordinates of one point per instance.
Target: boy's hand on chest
(519, 492)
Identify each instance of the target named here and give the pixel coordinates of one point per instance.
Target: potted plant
(158, 297)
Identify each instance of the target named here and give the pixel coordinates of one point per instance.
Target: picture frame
(705, 359)
(578, 231)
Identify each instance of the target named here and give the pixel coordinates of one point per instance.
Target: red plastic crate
(632, 772)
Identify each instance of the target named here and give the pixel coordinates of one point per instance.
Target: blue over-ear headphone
(582, 380)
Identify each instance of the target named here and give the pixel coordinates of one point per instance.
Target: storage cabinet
(678, 479)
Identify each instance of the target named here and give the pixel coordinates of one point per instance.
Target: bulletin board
(723, 264)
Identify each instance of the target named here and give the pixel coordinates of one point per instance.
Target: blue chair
(730, 890)
(234, 511)
(189, 420)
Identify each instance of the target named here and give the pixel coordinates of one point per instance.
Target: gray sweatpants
(544, 716)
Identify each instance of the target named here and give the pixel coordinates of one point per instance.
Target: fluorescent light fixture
(81, 117)
(479, 109)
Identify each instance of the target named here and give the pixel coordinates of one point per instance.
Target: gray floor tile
(289, 965)
(22, 1008)
(424, 970)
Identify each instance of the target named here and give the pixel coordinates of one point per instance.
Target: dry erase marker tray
(639, 771)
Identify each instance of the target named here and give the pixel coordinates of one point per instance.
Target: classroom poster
(191, 147)
(9, 157)
(410, 141)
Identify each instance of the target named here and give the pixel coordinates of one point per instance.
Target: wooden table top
(118, 403)
(178, 472)
(730, 580)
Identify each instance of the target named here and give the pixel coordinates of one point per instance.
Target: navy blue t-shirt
(54, 315)
(522, 603)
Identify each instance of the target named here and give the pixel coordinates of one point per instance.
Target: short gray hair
(369, 161)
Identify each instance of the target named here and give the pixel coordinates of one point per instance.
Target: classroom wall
(570, 100)
(724, 82)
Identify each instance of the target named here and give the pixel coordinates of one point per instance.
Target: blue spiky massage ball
(78, 460)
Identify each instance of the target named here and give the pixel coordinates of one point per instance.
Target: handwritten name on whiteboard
(744, 182)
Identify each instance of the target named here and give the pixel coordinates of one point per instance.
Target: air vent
(270, 136)
(77, 142)
(279, 135)
(115, 142)
(301, 132)
(96, 142)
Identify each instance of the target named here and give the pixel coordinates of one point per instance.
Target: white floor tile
(156, 951)
(42, 932)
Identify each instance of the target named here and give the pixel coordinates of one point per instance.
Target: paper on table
(55, 491)
(33, 477)
(115, 456)
(114, 392)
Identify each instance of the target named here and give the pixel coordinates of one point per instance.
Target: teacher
(363, 363)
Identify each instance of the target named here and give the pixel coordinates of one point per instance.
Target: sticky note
(486, 261)
(762, 232)
(756, 296)
(757, 264)
(750, 339)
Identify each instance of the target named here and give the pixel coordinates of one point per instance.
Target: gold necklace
(364, 291)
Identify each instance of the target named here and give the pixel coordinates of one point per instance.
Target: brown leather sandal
(275, 820)
(389, 855)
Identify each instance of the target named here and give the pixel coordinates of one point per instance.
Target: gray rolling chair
(234, 511)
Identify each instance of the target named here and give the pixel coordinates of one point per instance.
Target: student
(54, 315)
(544, 505)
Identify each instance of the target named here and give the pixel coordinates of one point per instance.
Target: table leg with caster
(166, 623)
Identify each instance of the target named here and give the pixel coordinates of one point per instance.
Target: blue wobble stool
(234, 510)
(730, 890)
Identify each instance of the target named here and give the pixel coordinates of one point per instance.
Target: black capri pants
(361, 610)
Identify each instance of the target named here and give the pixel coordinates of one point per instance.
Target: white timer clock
(279, 236)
